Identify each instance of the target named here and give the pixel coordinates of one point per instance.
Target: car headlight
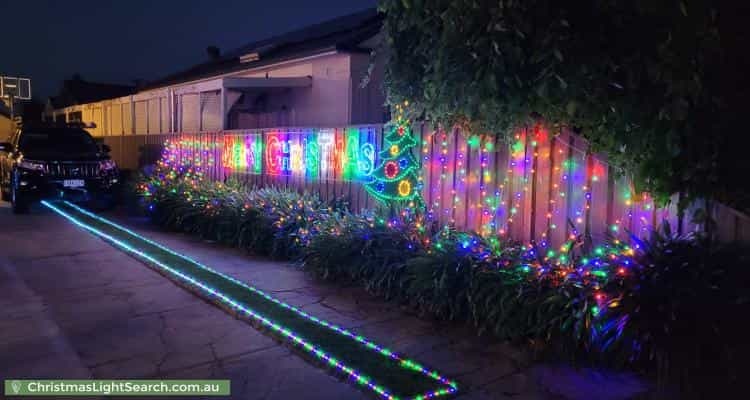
(107, 165)
(32, 165)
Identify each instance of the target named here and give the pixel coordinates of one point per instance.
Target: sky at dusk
(120, 41)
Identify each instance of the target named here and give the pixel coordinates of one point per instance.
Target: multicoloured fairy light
(557, 258)
(473, 182)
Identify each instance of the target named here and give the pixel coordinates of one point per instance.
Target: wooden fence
(543, 186)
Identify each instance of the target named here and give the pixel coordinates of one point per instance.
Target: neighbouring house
(77, 94)
(309, 77)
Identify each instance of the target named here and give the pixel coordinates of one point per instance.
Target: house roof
(342, 34)
(78, 91)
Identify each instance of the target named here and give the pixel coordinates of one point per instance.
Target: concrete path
(72, 306)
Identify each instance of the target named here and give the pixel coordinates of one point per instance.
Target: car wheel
(19, 204)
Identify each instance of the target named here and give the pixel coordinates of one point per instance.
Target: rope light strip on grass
(452, 386)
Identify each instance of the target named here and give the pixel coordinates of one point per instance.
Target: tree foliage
(641, 79)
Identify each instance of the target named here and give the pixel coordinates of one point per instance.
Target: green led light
(234, 304)
(396, 179)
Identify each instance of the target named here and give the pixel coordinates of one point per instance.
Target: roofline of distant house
(234, 62)
(323, 52)
(271, 62)
(118, 85)
(249, 67)
(231, 66)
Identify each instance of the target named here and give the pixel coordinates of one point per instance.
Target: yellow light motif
(404, 188)
(394, 150)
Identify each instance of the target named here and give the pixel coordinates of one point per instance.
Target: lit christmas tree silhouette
(396, 178)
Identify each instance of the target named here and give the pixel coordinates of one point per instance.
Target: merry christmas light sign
(349, 153)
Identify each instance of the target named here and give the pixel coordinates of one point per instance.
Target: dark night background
(120, 41)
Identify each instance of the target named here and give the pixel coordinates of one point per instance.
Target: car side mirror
(6, 147)
(106, 148)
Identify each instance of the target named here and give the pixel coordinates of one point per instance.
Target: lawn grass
(375, 368)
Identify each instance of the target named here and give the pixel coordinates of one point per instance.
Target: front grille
(73, 170)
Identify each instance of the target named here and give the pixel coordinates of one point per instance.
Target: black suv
(55, 161)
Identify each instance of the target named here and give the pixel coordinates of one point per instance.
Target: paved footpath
(72, 306)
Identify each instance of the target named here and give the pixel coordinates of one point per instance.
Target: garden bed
(666, 307)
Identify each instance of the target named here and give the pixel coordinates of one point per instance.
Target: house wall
(367, 91)
(325, 103)
(334, 98)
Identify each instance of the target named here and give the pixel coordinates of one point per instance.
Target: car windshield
(58, 141)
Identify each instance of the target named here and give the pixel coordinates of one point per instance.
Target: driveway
(74, 307)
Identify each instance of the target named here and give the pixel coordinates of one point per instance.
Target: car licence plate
(73, 183)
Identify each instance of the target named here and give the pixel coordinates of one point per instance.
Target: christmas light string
(504, 200)
(457, 181)
(542, 244)
(451, 386)
(542, 259)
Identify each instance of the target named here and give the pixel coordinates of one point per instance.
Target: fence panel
(541, 186)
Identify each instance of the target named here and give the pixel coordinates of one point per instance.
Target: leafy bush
(266, 221)
(672, 305)
(668, 306)
(448, 283)
(684, 313)
(657, 85)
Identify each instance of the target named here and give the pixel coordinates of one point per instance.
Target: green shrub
(673, 306)
(686, 313)
(266, 221)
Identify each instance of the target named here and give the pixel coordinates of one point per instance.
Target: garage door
(127, 121)
(141, 120)
(190, 113)
(154, 120)
(210, 111)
